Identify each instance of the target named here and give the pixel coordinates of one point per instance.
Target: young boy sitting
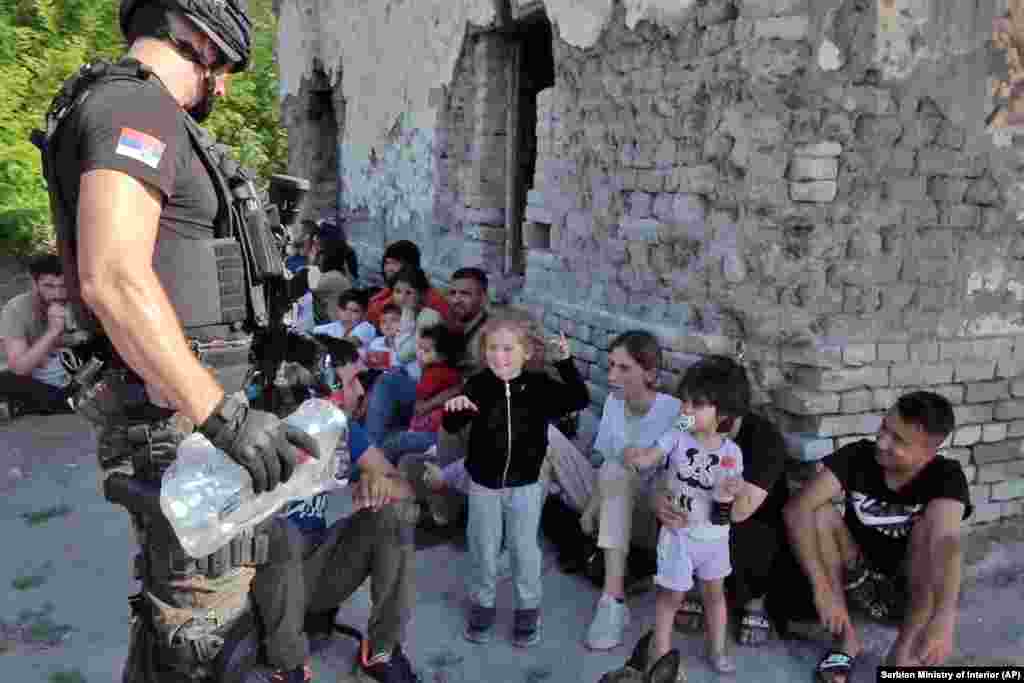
(348, 321)
(383, 350)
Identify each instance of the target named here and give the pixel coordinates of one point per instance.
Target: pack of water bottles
(208, 498)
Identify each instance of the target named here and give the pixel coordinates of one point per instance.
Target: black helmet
(225, 22)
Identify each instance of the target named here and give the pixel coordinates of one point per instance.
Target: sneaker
(527, 628)
(303, 674)
(396, 668)
(610, 621)
(480, 622)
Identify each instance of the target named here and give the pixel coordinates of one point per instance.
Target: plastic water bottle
(208, 498)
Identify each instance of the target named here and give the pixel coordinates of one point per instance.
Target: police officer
(147, 233)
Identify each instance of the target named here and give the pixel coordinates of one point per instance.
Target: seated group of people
(694, 475)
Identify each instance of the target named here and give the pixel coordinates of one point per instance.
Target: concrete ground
(65, 575)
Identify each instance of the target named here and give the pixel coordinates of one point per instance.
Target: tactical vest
(237, 264)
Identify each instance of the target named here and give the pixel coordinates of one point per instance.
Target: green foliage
(42, 42)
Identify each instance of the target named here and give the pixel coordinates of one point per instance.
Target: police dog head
(635, 669)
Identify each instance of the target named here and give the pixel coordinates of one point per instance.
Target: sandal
(754, 627)
(834, 667)
(690, 617)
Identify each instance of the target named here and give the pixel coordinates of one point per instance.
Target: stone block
(842, 425)
(717, 38)
(885, 398)
(1008, 490)
(921, 375)
(639, 204)
(813, 168)
(990, 433)
(892, 352)
(771, 8)
(945, 162)
(815, 191)
(1010, 368)
(951, 190)
(1009, 410)
(985, 512)
(980, 493)
(990, 474)
(967, 436)
(639, 229)
(906, 189)
(959, 215)
(782, 28)
(842, 379)
(813, 356)
(954, 393)
(975, 349)
(924, 213)
(1015, 429)
(879, 131)
(802, 402)
(716, 12)
(973, 413)
(856, 401)
(973, 371)
(860, 354)
(819, 149)
(1002, 451)
(983, 392)
(693, 179)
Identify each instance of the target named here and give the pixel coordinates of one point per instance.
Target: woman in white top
(613, 496)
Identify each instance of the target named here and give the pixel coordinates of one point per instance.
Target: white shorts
(681, 556)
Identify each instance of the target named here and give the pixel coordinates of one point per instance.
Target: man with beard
(36, 327)
(896, 552)
(153, 223)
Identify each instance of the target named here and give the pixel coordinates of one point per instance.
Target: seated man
(35, 328)
(312, 569)
(896, 552)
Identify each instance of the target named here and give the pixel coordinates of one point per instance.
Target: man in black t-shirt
(895, 552)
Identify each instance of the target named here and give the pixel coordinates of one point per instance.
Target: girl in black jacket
(509, 409)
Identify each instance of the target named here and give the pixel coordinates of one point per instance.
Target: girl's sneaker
(480, 623)
(527, 628)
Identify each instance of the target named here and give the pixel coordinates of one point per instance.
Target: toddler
(383, 350)
(435, 347)
(703, 473)
(508, 409)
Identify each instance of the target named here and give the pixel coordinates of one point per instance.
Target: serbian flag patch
(140, 146)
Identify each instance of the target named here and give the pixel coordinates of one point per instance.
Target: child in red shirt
(435, 348)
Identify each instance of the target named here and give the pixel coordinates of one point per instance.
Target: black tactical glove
(258, 441)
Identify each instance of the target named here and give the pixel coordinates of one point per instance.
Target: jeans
(397, 444)
(515, 511)
(391, 404)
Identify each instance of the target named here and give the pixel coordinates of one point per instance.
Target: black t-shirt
(764, 464)
(879, 518)
(138, 128)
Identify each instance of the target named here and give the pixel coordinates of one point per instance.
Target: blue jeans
(397, 444)
(391, 405)
(516, 511)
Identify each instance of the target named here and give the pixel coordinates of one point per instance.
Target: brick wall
(814, 181)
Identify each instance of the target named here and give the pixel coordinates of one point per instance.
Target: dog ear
(666, 669)
(638, 659)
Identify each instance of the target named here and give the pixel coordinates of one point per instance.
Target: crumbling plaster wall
(819, 179)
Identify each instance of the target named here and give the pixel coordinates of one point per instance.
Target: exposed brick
(974, 371)
(893, 353)
(997, 471)
(976, 413)
(857, 401)
(954, 393)
(842, 425)
(803, 402)
(907, 189)
(921, 375)
(942, 162)
(842, 379)
(980, 493)
(813, 168)
(1015, 429)
(814, 356)
(1009, 410)
(981, 392)
(783, 28)
(1008, 490)
(985, 512)
(1009, 367)
(814, 191)
(883, 399)
(997, 452)
(924, 352)
(947, 189)
(967, 436)
(959, 215)
(1017, 387)
(819, 149)
(976, 349)
(859, 354)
